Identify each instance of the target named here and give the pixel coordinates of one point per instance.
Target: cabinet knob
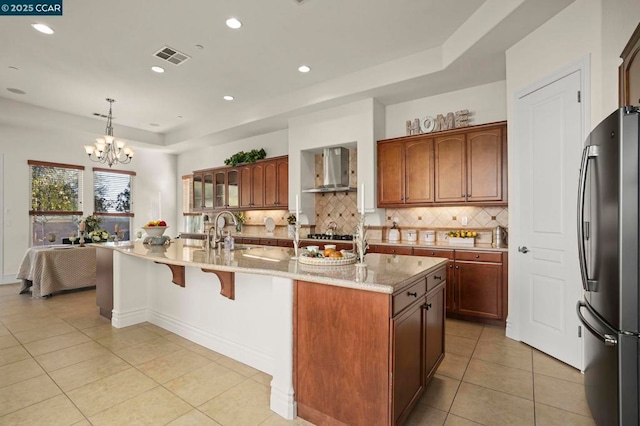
(450, 266)
(437, 277)
(433, 253)
(412, 294)
(426, 306)
(477, 256)
(457, 267)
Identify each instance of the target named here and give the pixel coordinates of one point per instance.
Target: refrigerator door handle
(607, 339)
(589, 152)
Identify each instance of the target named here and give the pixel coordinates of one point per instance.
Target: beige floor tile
(501, 378)
(156, 406)
(4, 330)
(97, 396)
(490, 407)
(147, 351)
(549, 366)
(562, 394)
(179, 340)
(460, 345)
(551, 416)
(440, 392)
(68, 356)
(245, 404)
(453, 366)
(503, 355)
(174, 365)
(467, 329)
(88, 371)
(88, 320)
(84, 422)
(40, 333)
(56, 343)
(127, 339)
(155, 329)
(8, 341)
(237, 366)
(104, 330)
(262, 378)
(51, 412)
(207, 353)
(204, 383)
(18, 325)
(423, 415)
(19, 371)
(194, 418)
(276, 420)
(13, 354)
(26, 393)
(496, 335)
(453, 420)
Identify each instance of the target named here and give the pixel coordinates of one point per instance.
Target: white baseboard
(125, 319)
(283, 403)
(247, 355)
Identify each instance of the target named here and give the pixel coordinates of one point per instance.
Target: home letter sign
(441, 122)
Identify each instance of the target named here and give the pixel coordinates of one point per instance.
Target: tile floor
(63, 364)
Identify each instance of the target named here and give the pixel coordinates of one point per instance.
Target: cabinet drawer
(251, 240)
(268, 242)
(409, 295)
(436, 278)
(420, 251)
(394, 250)
(285, 243)
(479, 256)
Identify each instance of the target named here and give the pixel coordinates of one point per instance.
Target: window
(112, 200)
(192, 220)
(56, 200)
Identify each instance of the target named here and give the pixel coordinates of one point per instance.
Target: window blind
(112, 192)
(55, 188)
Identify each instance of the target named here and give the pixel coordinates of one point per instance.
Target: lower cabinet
(344, 372)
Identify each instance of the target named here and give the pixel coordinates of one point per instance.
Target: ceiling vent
(171, 55)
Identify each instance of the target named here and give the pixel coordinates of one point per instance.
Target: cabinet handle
(437, 277)
(412, 294)
(477, 256)
(426, 306)
(433, 253)
(450, 266)
(457, 267)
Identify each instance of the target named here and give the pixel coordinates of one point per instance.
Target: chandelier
(108, 150)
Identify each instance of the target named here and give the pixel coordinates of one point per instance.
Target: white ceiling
(394, 50)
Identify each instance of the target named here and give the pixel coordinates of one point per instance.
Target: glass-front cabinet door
(208, 190)
(233, 185)
(197, 191)
(220, 187)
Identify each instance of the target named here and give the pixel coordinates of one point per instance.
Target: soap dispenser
(394, 232)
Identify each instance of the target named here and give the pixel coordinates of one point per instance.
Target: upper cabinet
(405, 172)
(263, 184)
(276, 178)
(460, 166)
(629, 71)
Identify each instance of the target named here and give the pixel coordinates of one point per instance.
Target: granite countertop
(384, 273)
(401, 243)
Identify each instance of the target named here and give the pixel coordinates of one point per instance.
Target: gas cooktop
(330, 237)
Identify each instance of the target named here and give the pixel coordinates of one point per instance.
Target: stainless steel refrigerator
(608, 231)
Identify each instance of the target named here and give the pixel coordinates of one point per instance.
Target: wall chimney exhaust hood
(335, 167)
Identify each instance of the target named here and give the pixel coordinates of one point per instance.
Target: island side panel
(341, 354)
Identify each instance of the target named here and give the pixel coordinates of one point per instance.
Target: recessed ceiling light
(159, 70)
(228, 98)
(304, 68)
(233, 23)
(154, 124)
(199, 46)
(44, 29)
(16, 91)
(181, 117)
(14, 68)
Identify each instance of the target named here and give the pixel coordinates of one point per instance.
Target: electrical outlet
(463, 221)
(396, 220)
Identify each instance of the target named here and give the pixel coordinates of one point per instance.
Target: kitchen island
(352, 341)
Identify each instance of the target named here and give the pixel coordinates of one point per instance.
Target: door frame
(582, 65)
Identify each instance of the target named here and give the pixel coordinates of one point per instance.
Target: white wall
(350, 125)
(486, 104)
(155, 175)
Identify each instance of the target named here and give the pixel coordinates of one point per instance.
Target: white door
(549, 138)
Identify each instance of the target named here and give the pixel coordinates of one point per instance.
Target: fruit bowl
(154, 231)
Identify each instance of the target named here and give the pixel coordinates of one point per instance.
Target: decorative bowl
(154, 231)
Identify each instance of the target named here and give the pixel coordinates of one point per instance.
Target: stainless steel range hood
(335, 167)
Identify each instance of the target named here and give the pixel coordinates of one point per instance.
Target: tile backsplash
(449, 217)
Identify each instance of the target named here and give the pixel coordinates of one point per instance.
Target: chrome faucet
(213, 240)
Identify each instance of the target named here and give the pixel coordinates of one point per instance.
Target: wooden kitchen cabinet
(344, 372)
(276, 183)
(455, 167)
(198, 200)
(379, 248)
(448, 254)
(629, 71)
(203, 190)
(252, 185)
(405, 172)
(479, 285)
